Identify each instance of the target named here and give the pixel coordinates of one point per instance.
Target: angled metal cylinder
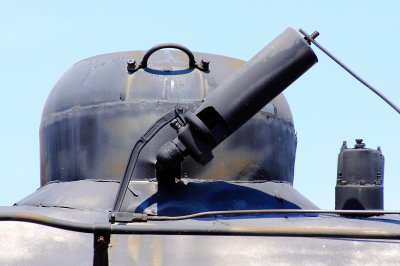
(244, 93)
(260, 80)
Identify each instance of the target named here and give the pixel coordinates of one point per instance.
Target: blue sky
(40, 40)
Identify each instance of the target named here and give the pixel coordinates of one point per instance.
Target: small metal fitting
(378, 179)
(101, 240)
(359, 144)
(344, 145)
(205, 65)
(179, 109)
(309, 38)
(314, 35)
(175, 124)
(112, 218)
(131, 66)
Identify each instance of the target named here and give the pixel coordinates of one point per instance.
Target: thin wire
(269, 211)
(369, 86)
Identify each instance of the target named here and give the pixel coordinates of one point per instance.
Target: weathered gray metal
(239, 209)
(292, 239)
(97, 111)
(240, 97)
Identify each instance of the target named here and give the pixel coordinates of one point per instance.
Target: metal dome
(97, 111)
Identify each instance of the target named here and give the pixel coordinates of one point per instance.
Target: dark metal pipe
(236, 100)
(350, 233)
(261, 79)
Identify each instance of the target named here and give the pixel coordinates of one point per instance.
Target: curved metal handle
(192, 61)
(204, 66)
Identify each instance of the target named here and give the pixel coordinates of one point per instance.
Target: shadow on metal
(210, 196)
(168, 72)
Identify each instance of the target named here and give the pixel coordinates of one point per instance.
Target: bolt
(175, 124)
(314, 35)
(131, 65)
(205, 65)
(359, 144)
(122, 96)
(378, 179)
(339, 178)
(344, 145)
(179, 108)
(101, 240)
(309, 38)
(112, 217)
